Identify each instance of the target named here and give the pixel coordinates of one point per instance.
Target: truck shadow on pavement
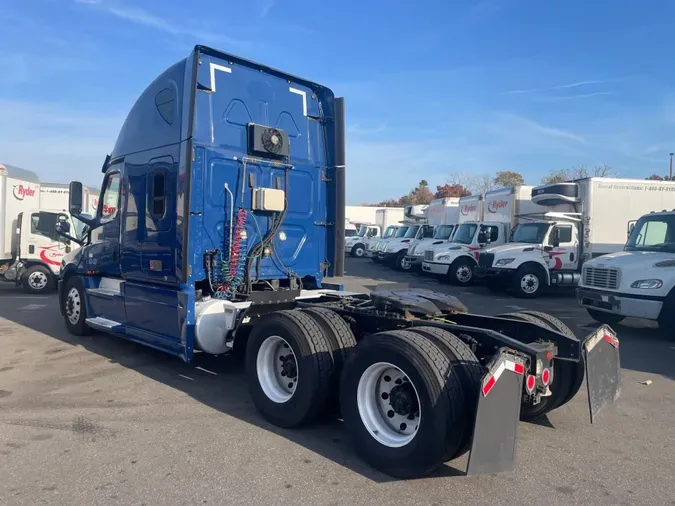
(217, 382)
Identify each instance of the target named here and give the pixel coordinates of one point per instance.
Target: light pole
(671, 167)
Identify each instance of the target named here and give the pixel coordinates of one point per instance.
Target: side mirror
(631, 226)
(75, 194)
(482, 237)
(63, 228)
(555, 238)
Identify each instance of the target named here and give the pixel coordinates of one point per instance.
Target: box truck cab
(356, 245)
(637, 282)
(30, 248)
(220, 220)
(394, 251)
(388, 220)
(581, 220)
(442, 214)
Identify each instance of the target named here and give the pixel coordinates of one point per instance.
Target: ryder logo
(51, 255)
(495, 205)
(468, 208)
(20, 192)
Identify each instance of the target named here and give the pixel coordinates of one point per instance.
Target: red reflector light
(488, 385)
(611, 340)
(529, 384)
(548, 356)
(519, 368)
(546, 376)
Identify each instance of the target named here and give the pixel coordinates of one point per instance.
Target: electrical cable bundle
(228, 273)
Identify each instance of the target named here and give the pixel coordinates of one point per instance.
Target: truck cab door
(563, 247)
(103, 256)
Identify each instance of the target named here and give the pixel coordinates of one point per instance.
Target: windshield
(350, 232)
(391, 230)
(362, 231)
(79, 229)
(412, 232)
(530, 233)
(401, 232)
(465, 233)
(442, 232)
(653, 233)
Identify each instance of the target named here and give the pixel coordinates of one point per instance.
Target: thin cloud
(554, 88)
(267, 7)
(358, 129)
(573, 97)
(145, 18)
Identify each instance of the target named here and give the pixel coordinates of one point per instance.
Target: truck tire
(358, 251)
(466, 366)
(401, 263)
(284, 347)
(400, 404)
(567, 376)
(460, 272)
(666, 317)
(528, 282)
(38, 279)
(602, 317)
(74, 307)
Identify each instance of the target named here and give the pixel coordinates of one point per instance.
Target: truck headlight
(647, 284)
(444, 257)
(504, 261)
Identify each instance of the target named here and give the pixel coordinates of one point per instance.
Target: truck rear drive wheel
(74, 307)
(358, 251)
(602, 317)
(38, 279)
(400, 404)
(567, 376)
(460, 272)
(465, 365)
(289, 367)
(528, 282)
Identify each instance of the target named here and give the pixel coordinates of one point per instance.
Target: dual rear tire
(407, 397)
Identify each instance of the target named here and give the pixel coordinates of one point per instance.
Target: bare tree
(579, 172)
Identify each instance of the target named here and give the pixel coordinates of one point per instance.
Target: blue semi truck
(219, 227)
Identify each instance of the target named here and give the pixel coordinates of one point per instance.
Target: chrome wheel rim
(277, 369)
(73, 306)
(37, 280)
(529, 283)
(388, 404)
(359, 252)
(406, 264)
(464, 274)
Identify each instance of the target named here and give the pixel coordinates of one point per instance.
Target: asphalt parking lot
(99, 420)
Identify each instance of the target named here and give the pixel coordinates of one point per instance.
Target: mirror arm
(71, 238)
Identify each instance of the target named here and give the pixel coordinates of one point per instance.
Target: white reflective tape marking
(593, 341)
(499, 370)
(304, 98)
(511, 366)
(213, 67)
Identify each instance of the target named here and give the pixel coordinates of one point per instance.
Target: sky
(431, 88)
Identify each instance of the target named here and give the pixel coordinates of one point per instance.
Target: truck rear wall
(18, 196)
(361, 214)
(609, 204)
(388, 216)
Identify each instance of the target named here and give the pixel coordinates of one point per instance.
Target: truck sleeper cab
(220, 219)
(455, 263)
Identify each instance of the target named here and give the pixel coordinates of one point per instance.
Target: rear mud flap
(603, 369)
(495, 433)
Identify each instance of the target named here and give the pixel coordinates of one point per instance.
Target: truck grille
(599, 277)
(429, 255)
(486, 259)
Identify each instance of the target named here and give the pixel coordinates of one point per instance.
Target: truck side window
(494, 233)
(165, 102)
(43, 224)
(565, 233)
(111, 197)
(158, 194)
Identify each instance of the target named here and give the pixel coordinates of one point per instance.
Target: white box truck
(500, 209)
(30, 249)
(388, 220)
(588, 218)
(443, 215)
